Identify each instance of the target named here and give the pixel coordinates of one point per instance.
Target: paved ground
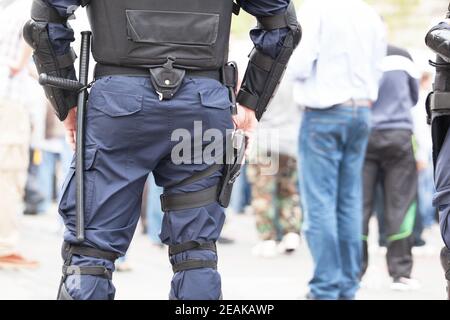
(244, 276)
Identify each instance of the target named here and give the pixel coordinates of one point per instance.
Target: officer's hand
(246, 120)
(71, 127)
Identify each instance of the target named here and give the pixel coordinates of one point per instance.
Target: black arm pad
(264, 74)
(438, 40)
(36, 35)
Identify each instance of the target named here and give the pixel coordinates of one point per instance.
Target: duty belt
(102, 70)
(167, 79)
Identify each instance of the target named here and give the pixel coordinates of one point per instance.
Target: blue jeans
(332, 150)
(154, 212)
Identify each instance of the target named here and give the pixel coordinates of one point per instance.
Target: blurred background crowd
(379, 161)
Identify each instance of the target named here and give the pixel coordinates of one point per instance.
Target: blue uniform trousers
(128, 135)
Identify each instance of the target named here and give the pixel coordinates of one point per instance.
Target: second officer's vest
(145, 33)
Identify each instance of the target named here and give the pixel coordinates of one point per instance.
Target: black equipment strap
(440, 101)
(194, 264)
(273, 22)
(190, 200)
(247, 99)
(191, 245)
(90, 252)
(87, 270)
(42, 12)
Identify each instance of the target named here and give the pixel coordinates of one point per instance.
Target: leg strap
(191, 200)
(73, 249)
(194, 263)
(191, 245)
(99, 271)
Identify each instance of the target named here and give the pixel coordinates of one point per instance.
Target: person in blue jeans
(336, 72)
(154, 212)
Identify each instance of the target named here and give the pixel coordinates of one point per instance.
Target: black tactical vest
(145, 33)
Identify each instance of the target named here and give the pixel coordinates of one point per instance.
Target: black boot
(445, 261)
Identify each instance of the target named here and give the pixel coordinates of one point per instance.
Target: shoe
(405, 284)
(265, 249)
(289, 243)
(17, 261)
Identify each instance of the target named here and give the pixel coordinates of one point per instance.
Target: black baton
(82, 99)
(81, 86)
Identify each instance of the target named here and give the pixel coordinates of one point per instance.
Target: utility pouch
(167, 80)
(233, 162)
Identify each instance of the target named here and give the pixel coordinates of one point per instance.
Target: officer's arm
(277, 35)
(49, 34)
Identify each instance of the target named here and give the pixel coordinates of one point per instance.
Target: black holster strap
(261, 60)
(67, 59)
(98, 271)
(273, 22)
(42, 12)
(90, 252)
(194, 264)
(440, 101)
(190, 200)
(191, 245)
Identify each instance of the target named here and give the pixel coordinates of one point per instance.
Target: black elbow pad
(438, 40)
(35, 33)
(264, 74)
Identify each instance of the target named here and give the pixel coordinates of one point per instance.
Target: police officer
(438, 107)
(161, 66)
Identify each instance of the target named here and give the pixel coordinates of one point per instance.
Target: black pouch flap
(167, 82)
(172, 27)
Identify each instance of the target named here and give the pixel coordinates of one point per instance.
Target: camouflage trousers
(275, 199)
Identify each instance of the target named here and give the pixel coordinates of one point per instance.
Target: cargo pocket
(216, 107)
(114, 118)
(67, 202)
(154, 36)
(216, 98)
(115, 104)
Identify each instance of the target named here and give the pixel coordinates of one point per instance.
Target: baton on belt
(81, 86)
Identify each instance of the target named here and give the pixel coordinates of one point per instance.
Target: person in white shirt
(337, 69)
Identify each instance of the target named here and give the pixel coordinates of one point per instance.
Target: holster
(234, 157)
